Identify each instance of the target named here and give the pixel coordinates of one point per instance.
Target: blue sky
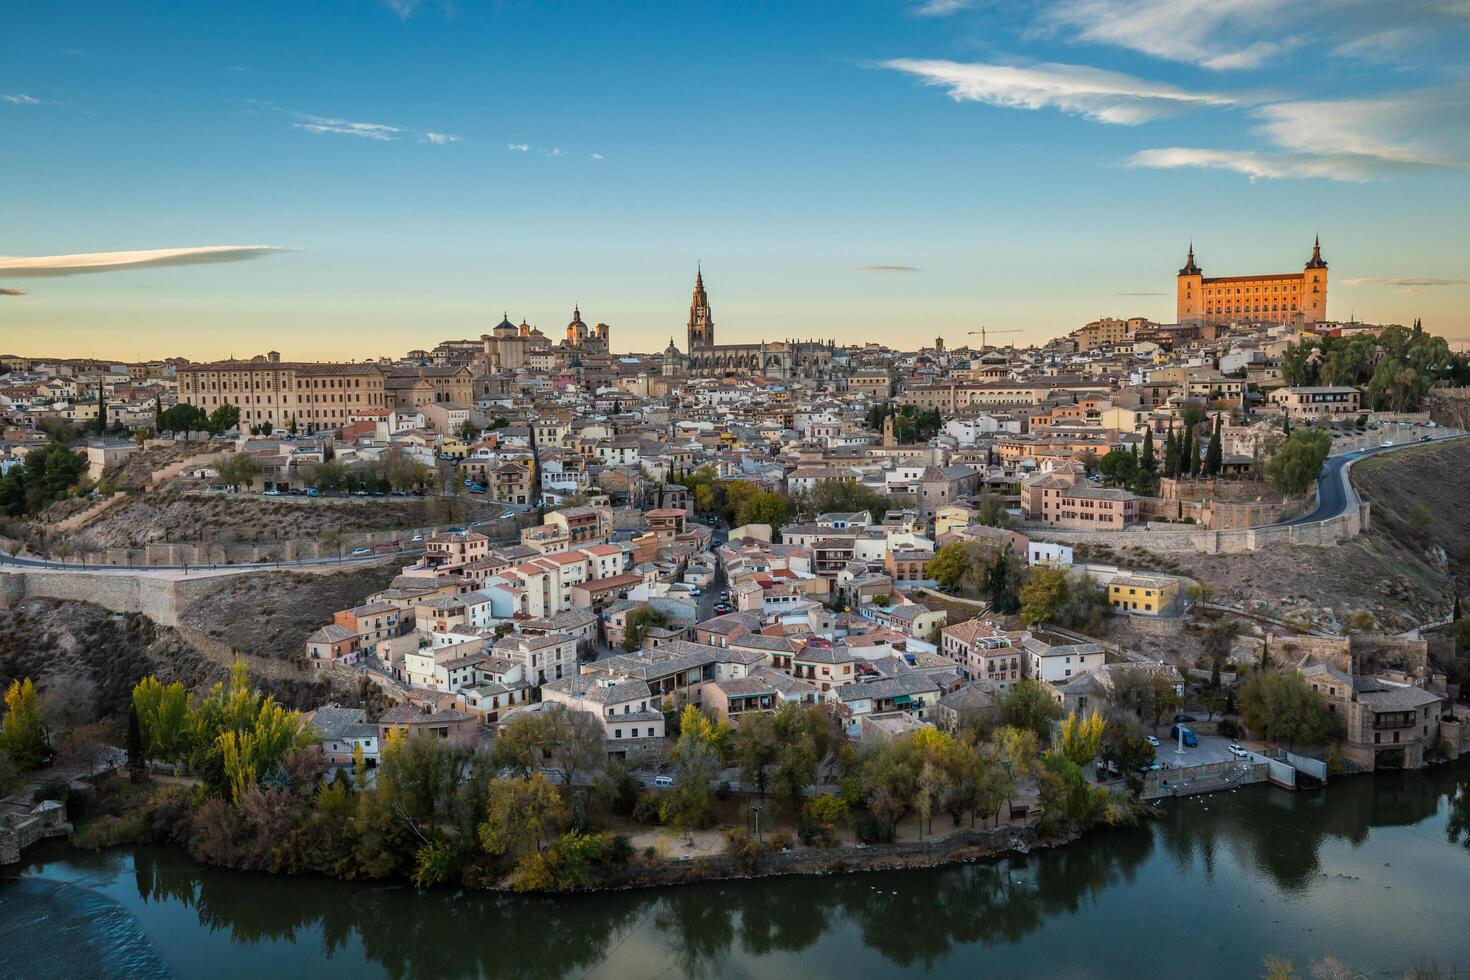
(427, 166)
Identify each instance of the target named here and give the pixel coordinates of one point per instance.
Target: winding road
(1334, 492)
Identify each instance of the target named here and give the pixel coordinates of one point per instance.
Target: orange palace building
(1286, 297)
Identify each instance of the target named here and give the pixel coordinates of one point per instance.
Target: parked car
(1179, 718)
(362, 551)
(418, 537)
(507, 515)
(313, 492)
(1151, 740)
(359, 493)
(663, 781)
(477, 488)
(1186, 734)
(1238, 750)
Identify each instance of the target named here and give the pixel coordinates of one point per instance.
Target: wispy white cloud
(1380, 46)
(1402, 130)
(18, 99)
(407, 8)
(24, 267)
(555, 151)
(943, 8)
(1104, 96)
(1343, 140)
(1414, 281)
(1216, 34)
(346, 127)
(887, 268)
(598, 156)
(518, 147)
(1257, 165)
(440, 138)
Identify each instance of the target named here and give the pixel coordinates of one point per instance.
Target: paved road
(22, 563)
(1332, 487)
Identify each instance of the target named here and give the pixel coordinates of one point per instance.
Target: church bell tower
(701, 319)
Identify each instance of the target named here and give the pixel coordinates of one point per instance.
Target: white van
(664, 781)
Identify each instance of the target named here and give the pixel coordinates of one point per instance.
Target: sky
(343, 179)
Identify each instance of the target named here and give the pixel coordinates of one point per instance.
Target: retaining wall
(159, 598)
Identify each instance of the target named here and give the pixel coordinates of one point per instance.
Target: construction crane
(985, 334)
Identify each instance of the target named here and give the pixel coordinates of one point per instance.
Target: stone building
(1286, 297)
(784, 360)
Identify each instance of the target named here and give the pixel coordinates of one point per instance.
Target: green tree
(1297, 464)
(637, 623)
(952, 564)
(520, 815)
(763, 508)
(1002, 582)
(239, 469)
(1119, 467)
(1214, 461)
(223, 419)
(822, 817)
(1044, 594)
(757, 744)
(1283, 708)
(43, 477)
(992, 511)
(1171, 454)
(1027, 706)
(137, 764)
(23, 736)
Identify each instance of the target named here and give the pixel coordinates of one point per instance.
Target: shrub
(742, 849)
(619, 849)
(781, 840)
(1228, 728)
(646, 809)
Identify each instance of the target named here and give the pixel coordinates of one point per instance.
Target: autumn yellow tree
(23, 736)
(1081, 739)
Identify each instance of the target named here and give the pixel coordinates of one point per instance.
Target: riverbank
(1369, 870)
(123, 815)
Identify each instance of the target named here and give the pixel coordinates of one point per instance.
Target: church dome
(505, 328)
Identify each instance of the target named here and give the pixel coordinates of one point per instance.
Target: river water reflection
(1373, 870)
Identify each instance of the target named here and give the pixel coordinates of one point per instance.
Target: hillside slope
(1398, 571)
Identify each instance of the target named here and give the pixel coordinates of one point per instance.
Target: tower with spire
(1189, 307)
(701, 318)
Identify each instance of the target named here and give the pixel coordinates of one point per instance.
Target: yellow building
(1287, 297)
(1143, 594)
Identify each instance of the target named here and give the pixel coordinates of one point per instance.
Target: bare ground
(174, 517)
(270, 614)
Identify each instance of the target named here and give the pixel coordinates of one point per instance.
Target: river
(1374, 870)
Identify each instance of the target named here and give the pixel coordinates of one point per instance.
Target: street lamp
(757, 811)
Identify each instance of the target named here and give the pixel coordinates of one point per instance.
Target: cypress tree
(1193, 454)
(136, 761)
(1148, 460)
(1171, 454)
(1214, 460)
